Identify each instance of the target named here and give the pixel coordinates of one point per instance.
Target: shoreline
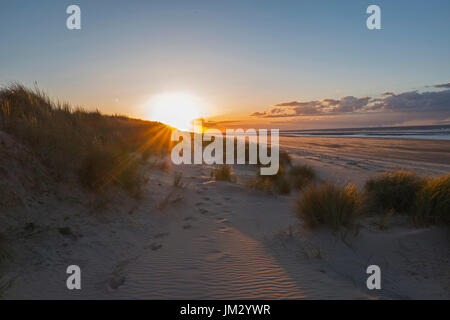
(366, 137)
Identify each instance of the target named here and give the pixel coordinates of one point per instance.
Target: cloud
(350, 104)
(442, 85)
(311, 108)
(415, 101)
(411, 101)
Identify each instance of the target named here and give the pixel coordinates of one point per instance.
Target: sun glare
(177, 110)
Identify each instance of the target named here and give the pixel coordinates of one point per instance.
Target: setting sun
(175, 109)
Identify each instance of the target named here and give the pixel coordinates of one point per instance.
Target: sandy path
(215, 243)
(218, 247)
(226, 241)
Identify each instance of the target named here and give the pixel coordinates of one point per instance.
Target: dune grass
(277, 183)
(285, 159)
(301, 176)
(4, 256)
(432, 205)
(223, 173)
(100, 149)
(288, 177)
(178, 180)
(329, 205)
(394, 190)
(425, 200)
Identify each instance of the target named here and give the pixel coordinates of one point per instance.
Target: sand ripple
(222, 265)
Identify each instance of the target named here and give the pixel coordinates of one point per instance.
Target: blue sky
(241, 57)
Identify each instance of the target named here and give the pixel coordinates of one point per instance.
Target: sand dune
(219, 240)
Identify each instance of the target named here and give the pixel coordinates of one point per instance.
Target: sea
(433, 132)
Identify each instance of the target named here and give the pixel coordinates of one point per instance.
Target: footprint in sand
(187, 226)
(224, 229)
(190, 219)
(223, 220)
(160, 235)
(216, 256)
(155, 246)
(117, 278)
(203, 211)
(206, 198)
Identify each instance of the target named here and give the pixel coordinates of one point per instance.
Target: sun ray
(175, 109)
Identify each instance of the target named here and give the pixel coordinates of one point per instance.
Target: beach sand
(223, 240)
(354, 159)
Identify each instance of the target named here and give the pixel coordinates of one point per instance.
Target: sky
(287, 64)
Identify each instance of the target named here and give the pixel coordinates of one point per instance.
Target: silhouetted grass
(329, 205)
(393, 190)
(101, 149)
(432, 205)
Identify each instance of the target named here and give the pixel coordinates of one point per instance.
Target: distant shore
(432, 132)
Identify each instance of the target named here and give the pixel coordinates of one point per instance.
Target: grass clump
(4, 254)
(329, 205)
(287, 178)
(95, 169)
(393, 191)
(275, 184)
(425, 200)
(301, 176)
(285, 159)
(432, 205)
(223, 173)
(178, 180)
